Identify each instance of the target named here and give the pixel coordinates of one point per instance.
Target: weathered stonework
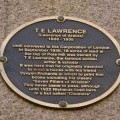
(13, 13)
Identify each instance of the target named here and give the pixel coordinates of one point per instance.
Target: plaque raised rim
(9, 83)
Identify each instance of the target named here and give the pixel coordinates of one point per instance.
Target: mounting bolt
(63, 104)
(61, 19)
(3, 59)
(118, 61)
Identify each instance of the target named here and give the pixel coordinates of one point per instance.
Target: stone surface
(16, 12)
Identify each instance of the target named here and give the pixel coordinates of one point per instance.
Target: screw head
(61, 19)
(118, 61)
(63, 104)
(3, 59)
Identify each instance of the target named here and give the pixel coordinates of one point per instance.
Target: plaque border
(15, 89)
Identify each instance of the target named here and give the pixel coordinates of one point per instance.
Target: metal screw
(61, 19)
(62, 103)
(118, 61)
(3, 59)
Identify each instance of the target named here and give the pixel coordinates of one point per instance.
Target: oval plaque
(61, 62)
